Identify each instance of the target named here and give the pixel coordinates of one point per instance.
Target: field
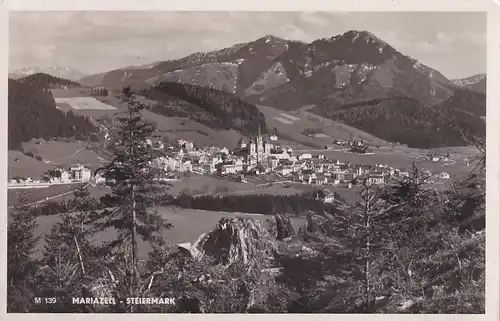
(340, 131)
(188, 225)
(64, 153)
(78, 100)
(84, 103)
(291, 125)
(24, 166)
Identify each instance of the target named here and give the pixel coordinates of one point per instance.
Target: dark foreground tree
(70, 262)
(21, 244)
(135, 187)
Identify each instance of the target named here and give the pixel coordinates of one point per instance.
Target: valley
(333, 175)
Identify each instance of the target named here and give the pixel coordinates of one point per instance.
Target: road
(74, 153)
(52, 197)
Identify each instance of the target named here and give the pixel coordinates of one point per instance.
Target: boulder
(236, 240)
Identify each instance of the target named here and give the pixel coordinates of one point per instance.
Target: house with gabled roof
(361, 149)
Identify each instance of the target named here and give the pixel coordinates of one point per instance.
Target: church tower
(253, 147)
(241, 143)
(260, 147)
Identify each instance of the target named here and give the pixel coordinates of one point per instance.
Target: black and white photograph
(240, 162)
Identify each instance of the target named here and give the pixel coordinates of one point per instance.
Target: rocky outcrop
(236, 240)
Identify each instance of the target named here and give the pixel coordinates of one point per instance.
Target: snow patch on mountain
(65, 72)
(273, 77)
(469, 80)
(345, 74)
(219, 75)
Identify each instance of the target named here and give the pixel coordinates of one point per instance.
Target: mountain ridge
(65, 72)
(327, 74)
(47, 81)
(274, 71)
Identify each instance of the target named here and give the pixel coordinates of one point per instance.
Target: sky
(453, 43)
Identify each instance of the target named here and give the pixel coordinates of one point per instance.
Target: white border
(493, 115)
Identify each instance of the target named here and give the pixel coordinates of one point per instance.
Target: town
(258, 156)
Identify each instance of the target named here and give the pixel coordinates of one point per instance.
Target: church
(256, 151)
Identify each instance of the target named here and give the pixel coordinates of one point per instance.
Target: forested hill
(408, 121)
(33, 114)
(46, 81)
(212, 107)
(467, 100)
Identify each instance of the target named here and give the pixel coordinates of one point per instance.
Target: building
(361, 149)
(80, 173)
(297, 166)
(185, 166)
(98, 179)
(273, 162)
(257, 151)
(321, 179)
(308, 176)
(284, 169)
(280, 154)
(209, 168)
(230, 167)
(305, 156)
(59, 175)
(444, 175)
(375, 179)
(241, 143)
(362, 169)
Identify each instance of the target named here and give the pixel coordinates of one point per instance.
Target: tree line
(408, 121)
(98, 92)
(212, 107)
(33, 114)
(46, 81)
(403, 249)
(299, 204)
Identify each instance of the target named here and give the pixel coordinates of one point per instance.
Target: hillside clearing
(291, 125)
(175, 128)
(20, 165)
(64, 153)
(85, 103)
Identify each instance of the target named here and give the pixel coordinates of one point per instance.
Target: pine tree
(364, 231)
(135, 189)
(72, 234)
(21, 245)
(70, 260)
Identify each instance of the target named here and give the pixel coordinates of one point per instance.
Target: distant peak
(269, 38)
(362, 34)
